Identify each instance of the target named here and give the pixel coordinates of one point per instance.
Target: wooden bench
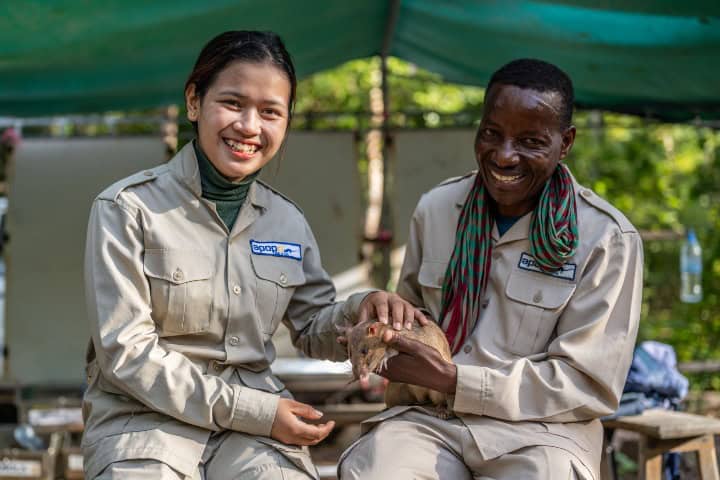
(664, 431)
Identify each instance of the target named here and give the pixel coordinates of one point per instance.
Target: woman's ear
(192, 103)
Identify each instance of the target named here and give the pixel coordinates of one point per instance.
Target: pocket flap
(285, 272)
(265, 380)
(539, 290)
(176, 266)
(432, 274)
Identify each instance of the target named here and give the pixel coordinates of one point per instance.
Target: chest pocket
(538, 302)
(276, 280)
(431, 277)
(180, 288)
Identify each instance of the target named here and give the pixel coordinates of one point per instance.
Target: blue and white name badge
(566, 272)
(277, 249)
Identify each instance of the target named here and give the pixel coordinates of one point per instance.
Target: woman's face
(242, 118)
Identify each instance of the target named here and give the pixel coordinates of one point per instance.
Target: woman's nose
(248, 122)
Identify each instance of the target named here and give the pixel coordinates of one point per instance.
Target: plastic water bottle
(691, 269)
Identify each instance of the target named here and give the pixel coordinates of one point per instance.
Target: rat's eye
(364, 350)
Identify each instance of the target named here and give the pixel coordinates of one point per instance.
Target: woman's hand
(386, 306)
(289, 428)
(418, 364)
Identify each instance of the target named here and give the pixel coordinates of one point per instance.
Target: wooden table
(664, 431)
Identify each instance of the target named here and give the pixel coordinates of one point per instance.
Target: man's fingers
(381, 309)
(421, 318)
(398, 310)
(409, 316)
(402, 343)
(363, 315)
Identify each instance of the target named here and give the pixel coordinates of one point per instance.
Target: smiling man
(537, 283)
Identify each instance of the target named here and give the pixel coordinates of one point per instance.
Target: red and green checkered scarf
(553, 239)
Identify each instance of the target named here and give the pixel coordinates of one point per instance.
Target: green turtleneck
(227, 196)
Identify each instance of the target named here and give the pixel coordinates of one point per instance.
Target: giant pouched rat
(369, 354)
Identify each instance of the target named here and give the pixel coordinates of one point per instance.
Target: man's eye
(532, 142)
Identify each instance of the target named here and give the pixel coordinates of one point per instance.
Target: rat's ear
(373, 330)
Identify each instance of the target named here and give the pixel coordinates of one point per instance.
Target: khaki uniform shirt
(550, 352)
(182, 313)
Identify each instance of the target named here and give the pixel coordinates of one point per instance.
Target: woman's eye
(532, 142)
(487, 132)
(271, 112)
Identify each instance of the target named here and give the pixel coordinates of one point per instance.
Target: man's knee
(535, 463)
(139, 469)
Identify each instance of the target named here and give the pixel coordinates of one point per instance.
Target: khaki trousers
(228, 456)
(417, 446)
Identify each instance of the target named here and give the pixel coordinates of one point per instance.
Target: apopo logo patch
(277, 249)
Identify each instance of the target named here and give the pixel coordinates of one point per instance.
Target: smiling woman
(190, 267)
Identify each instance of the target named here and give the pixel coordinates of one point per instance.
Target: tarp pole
(380, 266)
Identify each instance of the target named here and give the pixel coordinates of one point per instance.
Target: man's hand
(289, 428)
(418, 364)
(386, 306)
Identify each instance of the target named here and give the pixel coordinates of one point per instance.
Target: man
(537, 283)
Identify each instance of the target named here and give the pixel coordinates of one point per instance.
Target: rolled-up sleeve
(582, 373)
(126, 340)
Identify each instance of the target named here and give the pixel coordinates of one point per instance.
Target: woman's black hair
(244, 45)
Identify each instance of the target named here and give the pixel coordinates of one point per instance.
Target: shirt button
(218, 367)
(467, 348)
(237, 289)
(538, 296)
(148, 173)
(234, 340)
(283, 278)
(586, 193)
(177, 275)
(485, 303)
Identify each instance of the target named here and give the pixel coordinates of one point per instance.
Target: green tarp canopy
(658, 58)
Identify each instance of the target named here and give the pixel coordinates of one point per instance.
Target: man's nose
(507, 155)
(248, 122)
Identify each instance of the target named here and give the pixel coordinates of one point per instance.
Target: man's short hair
(541, 76)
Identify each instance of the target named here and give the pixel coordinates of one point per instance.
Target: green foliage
(664, 177)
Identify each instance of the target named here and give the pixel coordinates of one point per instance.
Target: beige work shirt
(182, 313)
(550, 352)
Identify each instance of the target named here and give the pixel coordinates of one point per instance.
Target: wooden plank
(666, 424)
(708, 463)
(703, 366)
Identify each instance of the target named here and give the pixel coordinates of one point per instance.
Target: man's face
(518, 145)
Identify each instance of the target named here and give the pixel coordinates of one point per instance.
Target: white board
(51, 190)
(318, 171)
(424, 159)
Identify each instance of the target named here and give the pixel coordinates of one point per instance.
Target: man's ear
(568, 139)
(192, 103)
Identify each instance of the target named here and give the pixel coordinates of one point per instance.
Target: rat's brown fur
(369, 354)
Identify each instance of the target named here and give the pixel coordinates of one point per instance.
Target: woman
(190, 267)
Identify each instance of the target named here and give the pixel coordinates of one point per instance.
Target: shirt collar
(184, 165)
